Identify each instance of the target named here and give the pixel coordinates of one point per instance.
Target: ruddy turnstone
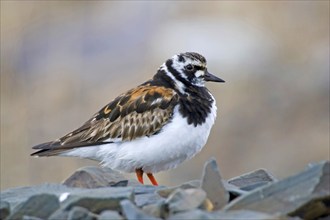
(150, 128)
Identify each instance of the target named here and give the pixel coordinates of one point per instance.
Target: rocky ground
(95, 193)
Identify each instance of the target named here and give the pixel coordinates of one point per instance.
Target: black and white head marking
(186, 69)
(177, 83)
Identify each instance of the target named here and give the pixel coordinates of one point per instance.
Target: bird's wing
(140, 112)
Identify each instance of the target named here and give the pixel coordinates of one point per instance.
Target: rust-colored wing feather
(142, 111)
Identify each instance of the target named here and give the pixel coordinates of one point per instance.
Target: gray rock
(98, 200)
(221, 215)
(191, 184)
(79, 213)
(233, 190)
(183, 200)
(324, 218)
(315, 207)
(110, 215)
(95, 200)
(133, 182)
(10, 195)
(59, 214)
(143, 189)
(121, 183)
(158, 210)
(4, 209)
(245, 214)
(213, 186)
(146, 199)
(95, 177)
(60, 191)
(26, 217)
(192, 214)
(305, 195)
(41, 206)
(131, 212)
(291, 196)
(145, 194)
(165, 192)
(252, 180)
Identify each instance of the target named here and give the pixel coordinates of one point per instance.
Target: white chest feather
(176, 142)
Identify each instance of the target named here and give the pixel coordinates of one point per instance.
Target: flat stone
(185, 199)
(145, 194)
(131, 212)
(195, 214)
(146, 199)
(26, 217)
(110, 215)
(78, 213)
(213, 185)
(121, 183)
(98, 200)
(114, 194)
(246, 214)
(252, 180)
(59, 214)
(143, 189)
(293, 195)
(10, 195)
(41, 206)
(134, 182)
(4, 209)
(241, 214)
(94, 177)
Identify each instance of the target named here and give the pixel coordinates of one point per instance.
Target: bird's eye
(189, 67)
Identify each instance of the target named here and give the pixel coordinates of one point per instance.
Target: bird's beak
(210, 77)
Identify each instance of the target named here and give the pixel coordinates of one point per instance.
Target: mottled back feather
(140, 112)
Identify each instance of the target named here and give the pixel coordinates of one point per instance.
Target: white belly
(176, 142)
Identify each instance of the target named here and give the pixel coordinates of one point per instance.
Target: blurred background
(61, 61)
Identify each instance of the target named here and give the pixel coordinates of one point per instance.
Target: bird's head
(189, 69)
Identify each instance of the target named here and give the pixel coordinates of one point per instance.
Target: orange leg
(152, 179)
(139, 174)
